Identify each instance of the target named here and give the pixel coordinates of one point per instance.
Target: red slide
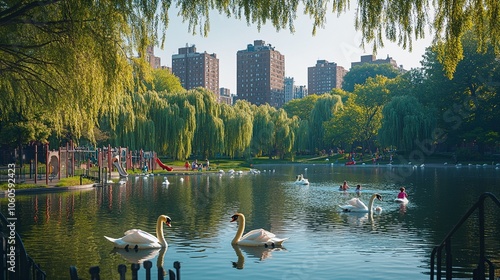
(162, 165)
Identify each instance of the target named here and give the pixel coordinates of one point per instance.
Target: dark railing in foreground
(122, 270)
(15, 263)
(437, 252)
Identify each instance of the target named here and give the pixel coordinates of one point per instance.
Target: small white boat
(402, 200)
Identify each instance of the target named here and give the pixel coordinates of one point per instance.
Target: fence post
(147, 267)
(122, 269)
(94, 273)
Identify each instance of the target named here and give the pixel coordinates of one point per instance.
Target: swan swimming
(256, 237)
(356, 205)
(301, 180)
(139, 239)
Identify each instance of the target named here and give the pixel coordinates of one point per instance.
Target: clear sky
(337, 42)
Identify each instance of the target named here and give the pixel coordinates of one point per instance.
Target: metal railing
(122, 270)
(15, 264)
(437, 252)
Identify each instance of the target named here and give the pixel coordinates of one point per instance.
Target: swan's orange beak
(168, 221)
(234, 218)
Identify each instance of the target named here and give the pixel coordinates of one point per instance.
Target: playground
(42, 166)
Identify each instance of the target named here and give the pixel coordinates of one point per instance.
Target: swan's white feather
(139, 236)
(259, 237)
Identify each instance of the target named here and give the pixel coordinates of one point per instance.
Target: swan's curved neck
(241, 229)
(370, 204)
(159, 231)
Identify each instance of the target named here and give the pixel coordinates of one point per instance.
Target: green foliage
(165, 82)
(470, 99)
(301, 107)
(324, 109)
(406, 123)
(360, 73)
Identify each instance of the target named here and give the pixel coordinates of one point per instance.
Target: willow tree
(324, 109)
(302, 136)
(209, 127)
(238, 127)
(70, 61)
(407, 124)
(284, 134)
(181, 126)
(263, 130)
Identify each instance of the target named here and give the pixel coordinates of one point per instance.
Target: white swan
(256, 237)
(166, 182)
(356, 205)
(139, 239)
(301, 180)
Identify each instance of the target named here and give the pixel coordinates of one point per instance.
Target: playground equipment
(163, 166)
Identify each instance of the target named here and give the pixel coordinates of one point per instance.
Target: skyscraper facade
(260, 74)
(324, 76)
(196, 69)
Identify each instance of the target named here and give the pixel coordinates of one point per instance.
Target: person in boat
(344, 186)
(402, 193)
(358, 189)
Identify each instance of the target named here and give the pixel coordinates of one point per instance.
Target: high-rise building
(196, 69)
(292, 91)
(225, 96)
(371, 59)
(289, 89)
(260, 74)
(300, 92)
(153, 60)
(324, 76)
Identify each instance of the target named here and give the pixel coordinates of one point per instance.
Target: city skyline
(337, 42)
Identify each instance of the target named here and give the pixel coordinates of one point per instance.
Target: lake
(64, 229)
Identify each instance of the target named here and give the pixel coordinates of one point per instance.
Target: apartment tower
(196, 69)
(260, 74)
(324, 76)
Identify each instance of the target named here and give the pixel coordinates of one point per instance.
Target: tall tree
(360, 73)
(301, 107)
(407, 124)
(469, 100)
(324, 109)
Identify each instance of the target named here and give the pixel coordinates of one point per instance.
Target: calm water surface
(64, 229)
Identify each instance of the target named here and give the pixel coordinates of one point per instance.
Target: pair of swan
(138, 239)
(301, 180)
(356, 205)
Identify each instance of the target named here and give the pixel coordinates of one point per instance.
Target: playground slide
(121, 171)
(163, 166)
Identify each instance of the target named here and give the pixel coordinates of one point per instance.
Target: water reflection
(138, 256)
(253, 252)
(73, 224)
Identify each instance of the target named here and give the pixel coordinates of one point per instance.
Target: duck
(356, 205)
(256, 237)
(139, 239)
(301, 180)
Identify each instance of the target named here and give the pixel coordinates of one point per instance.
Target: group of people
(197, 166)
(344, 187)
